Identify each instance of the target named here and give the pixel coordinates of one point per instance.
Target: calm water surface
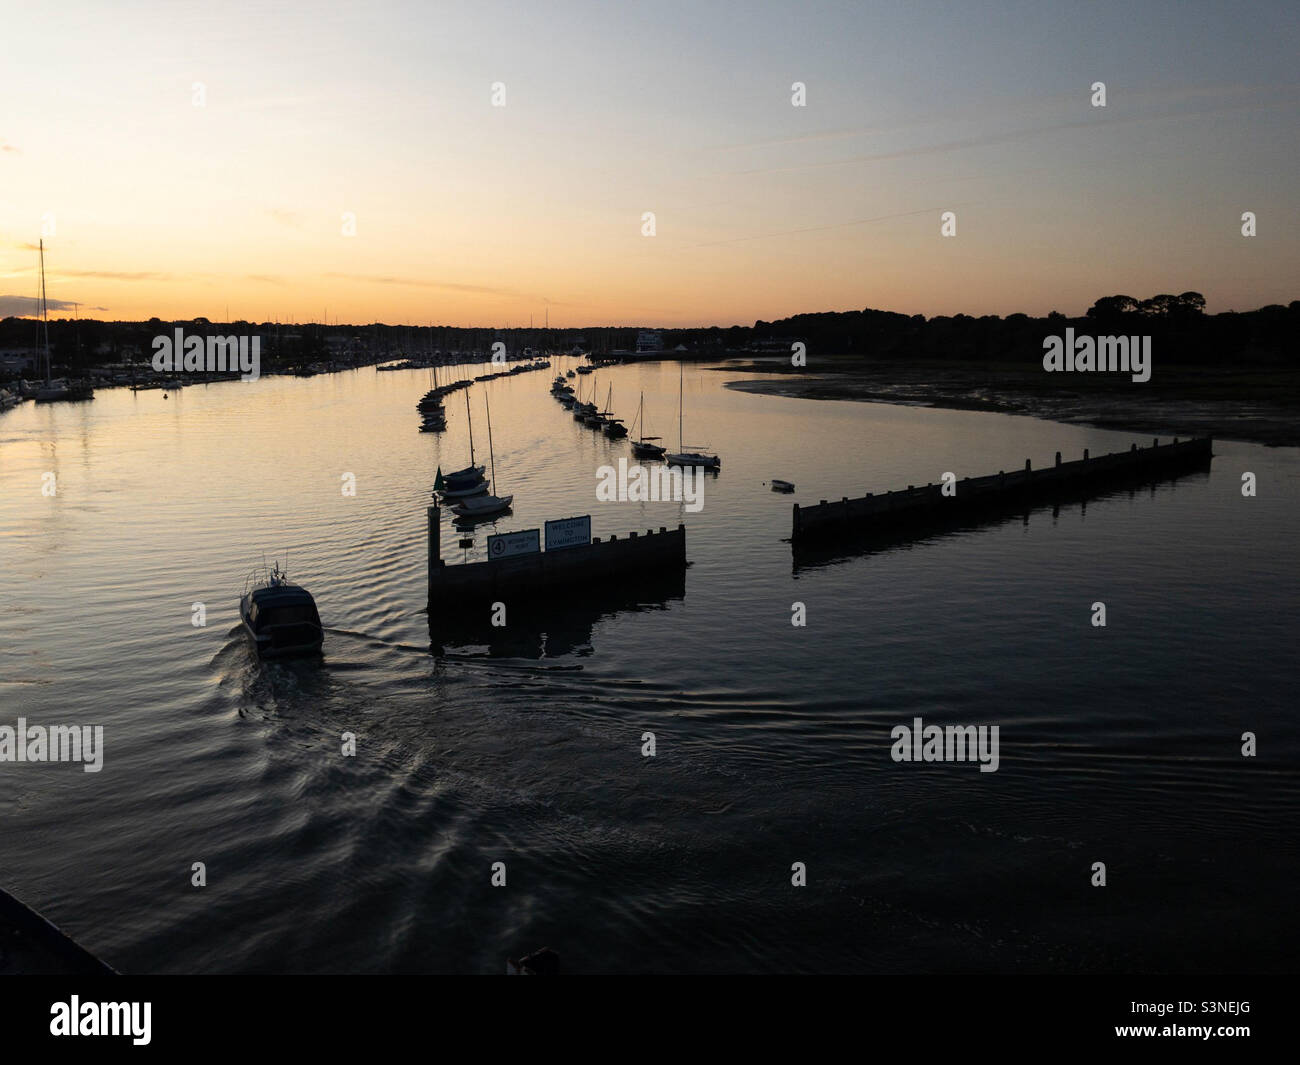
(1119, 744)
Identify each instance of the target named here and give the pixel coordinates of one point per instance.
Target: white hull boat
(484, 506)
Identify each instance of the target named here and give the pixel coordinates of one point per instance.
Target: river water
(1119, 745)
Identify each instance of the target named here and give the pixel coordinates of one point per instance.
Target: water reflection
(550, 628)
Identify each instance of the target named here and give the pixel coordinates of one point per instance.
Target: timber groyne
(884, 512)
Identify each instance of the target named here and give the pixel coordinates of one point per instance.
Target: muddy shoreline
(1259, 406)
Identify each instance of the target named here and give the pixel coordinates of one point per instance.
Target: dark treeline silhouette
(1180, 329)
(1182, 334)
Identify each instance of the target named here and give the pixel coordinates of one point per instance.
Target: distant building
(773, 345)
(649, 342)
(18, 360)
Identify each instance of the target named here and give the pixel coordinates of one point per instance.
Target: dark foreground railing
(30, 945)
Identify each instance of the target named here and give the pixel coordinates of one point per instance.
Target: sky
(204, 159)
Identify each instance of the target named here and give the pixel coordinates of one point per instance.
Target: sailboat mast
(45, 316)
(681, 385)
(470, 418)
(491, 454)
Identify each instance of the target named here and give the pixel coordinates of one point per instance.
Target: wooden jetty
(926, 503)
(558, 572)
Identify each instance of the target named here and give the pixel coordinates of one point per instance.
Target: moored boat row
(643, 446)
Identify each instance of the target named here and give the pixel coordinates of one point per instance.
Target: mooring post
(1058, 458)
(435, 548)
(1085, 454)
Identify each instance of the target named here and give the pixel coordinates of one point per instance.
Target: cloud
(1034, 131)
(29, 306)
(115, 275)
(5, 146)
(832, 225)
(446, 286)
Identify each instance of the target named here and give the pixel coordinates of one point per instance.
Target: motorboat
(281, 618)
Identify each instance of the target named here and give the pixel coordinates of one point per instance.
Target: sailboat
(594, 418)
(682, 457)
(581, 409)
(54, 390)
(614, 427)
(644, 447)
(433, 417)
(484, 506)
(460, 484)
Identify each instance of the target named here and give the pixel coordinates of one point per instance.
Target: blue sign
(568, 532)
(506, 545)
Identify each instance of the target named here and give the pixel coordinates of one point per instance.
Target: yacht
(682, 457)
(645, 447)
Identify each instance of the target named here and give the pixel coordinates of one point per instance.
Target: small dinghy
(483, 506)
(782, 486)
(281, 618)
(464, 493)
